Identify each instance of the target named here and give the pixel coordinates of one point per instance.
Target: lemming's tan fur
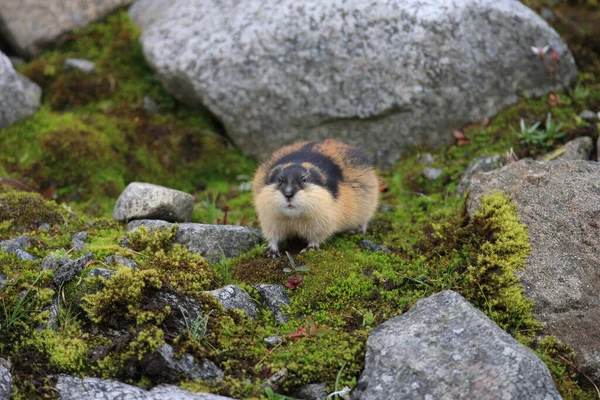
(317, 214)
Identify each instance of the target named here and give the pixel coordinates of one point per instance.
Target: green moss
(67, 351)
(120, 297)
(152, 240)
(22, 212)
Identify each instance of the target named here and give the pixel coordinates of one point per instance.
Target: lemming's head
(294, 186)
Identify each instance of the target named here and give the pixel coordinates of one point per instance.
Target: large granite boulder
(559, 201)
(30, 26)
(210, 241)
(382, 75)
(19, 97)
(444, 348)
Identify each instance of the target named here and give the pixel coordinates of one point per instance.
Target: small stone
(234, 297)
(432, 173)
(385, 208)
(19, 97)
(54, 310)
(49, 263)
(18, 243)
(481, 164)
(368, 245)
(5, 379)
(3, 279)
(78, 240)
(274, 297)
(74, 388)
(44, 227)
(68, 271)
(101, 272)
(115, 260)
(25, 256)
(576, 149)
(76, 64)
(426, 159)
(164, 365)
(547, 14)
(210, 241)
(150, 105)
(276, 379)
(589, 115)
(273, 341)
(147, 201)
(313, 391)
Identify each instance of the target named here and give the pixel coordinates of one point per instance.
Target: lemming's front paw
(310, 247)
(274, 253)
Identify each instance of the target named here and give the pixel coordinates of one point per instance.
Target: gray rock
(577, 149)
(100, 272)
(384, 76)
(19, 97)
(234, 297)
(445, 348)
(3, 279)
(426, 159)
(148, 201)
(5, 379)
(432, 173)
(368, 245)
(76, 64)
(18, 243)
(209, 240)
(559, 201)
(115, 260)
(44, 227)
(74, 388)
(68, 271)
(30, 28)
(181, 306)
(78, 240)
(274, 297)
(481, 164)
(589, 115)
(164, 365)
(54, 310)
(25, 256)
(273, 341)
(150, 105)
(51, 263)
(313, 391)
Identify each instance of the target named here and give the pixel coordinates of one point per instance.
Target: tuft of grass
(198, 326)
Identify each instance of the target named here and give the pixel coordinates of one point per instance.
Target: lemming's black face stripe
(332, 171)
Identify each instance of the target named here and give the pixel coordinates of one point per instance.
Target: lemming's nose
(288, 193)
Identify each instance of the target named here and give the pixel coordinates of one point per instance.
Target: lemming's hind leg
(363, 228)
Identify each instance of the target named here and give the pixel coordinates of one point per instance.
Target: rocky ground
(478, 277)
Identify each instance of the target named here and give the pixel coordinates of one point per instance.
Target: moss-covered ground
(92, 136)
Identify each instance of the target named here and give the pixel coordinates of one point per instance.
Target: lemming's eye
(279, 180)
(304, 179)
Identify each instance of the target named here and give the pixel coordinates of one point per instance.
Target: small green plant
(223, 268)
(294, 280)
(212, 212)
(580, 92)
(21, 309)
(271, 395)
(197, 326)
(544, 139)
